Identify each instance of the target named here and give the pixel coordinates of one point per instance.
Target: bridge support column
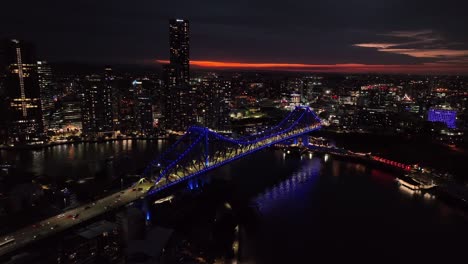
(207, 161)
(145, 207)
(305, 140)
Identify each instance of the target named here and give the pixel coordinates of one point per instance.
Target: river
(287, 209)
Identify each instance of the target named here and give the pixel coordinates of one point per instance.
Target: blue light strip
(203, 133)
(229, 160)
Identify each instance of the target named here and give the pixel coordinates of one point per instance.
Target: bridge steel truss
(201, 149)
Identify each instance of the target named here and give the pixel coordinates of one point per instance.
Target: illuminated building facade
(97, 106)
(445, 116)
(144, 109)
(214, 103)
(178, 108)
(179, 47)
(71, 115)
(22, 93)
(46, 86)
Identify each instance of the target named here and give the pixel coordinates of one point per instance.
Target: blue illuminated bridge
(201, 149)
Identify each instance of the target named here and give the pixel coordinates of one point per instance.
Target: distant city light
(443, 115)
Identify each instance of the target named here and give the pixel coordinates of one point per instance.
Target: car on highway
(60, 216)
(54, 226)
(8, 240)
(75, 216)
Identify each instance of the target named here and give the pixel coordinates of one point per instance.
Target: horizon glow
(342, 67)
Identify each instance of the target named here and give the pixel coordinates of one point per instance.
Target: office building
(178, 108)
(97, 106)
(22, 93)
(46, 85)
(214, 101)
(179, 47)
(144, 108)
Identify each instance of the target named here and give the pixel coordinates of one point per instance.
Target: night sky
(328, 35)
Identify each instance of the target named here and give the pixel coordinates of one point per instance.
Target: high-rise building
(214, 102)
(126, 107)
(179, 47)
(22, 93)
(70, 109)
(178, 110)
(3, 102)
(97, 106)
(144, 108)
(46, 85)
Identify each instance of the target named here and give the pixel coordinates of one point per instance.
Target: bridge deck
(65, 221)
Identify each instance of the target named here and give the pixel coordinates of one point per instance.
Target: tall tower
(178, 113)
(143, 108)
(179, 47)
(22, 93)
(46, 86)
(97, 106)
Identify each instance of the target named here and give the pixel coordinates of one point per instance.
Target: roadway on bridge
(72, 217)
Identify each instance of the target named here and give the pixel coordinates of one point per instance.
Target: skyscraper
(144, 108)
(22, 93)
(178, 112)
(215, 93)
(46, 86)
(178, 107)
(179, 47)
(97, 106)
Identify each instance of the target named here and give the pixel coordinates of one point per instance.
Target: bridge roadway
(62, 222)
(65, 221)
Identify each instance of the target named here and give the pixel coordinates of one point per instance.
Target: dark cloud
(315, 32)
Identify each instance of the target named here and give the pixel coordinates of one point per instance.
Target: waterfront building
(22, 93)
(47, 91)
(178, 108)
(97, 106)
(446, 116)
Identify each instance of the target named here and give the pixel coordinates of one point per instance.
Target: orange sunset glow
(344, 67)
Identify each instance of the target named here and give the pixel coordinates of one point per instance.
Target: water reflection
(77, 161)
(295, 186)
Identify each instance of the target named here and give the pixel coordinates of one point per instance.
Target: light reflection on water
(336, 211)
(76, 161)
(298, 184)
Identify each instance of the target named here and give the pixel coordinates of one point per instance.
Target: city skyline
(366, 36)
(233, 131)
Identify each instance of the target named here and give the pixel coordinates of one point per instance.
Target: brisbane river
(275, 208)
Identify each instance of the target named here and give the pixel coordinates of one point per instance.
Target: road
(67, 220)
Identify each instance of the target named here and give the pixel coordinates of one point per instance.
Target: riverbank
(74, 142)
(408, 150)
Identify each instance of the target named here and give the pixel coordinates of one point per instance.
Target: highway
(72, 217)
